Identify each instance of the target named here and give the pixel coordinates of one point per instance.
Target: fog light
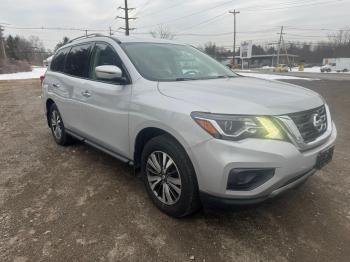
(248, 179)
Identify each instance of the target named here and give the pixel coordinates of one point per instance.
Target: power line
(189, 15)
(207, 21)
(290, 28)
(182, 34)
(307, 36)
(161, 10)
(278, 4)
(222, 34)
(313, 29)
(273, 29)
(285, 5)
(57, 28)
(142, 7)
(310, 4)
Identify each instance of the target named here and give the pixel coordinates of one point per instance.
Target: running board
(103, 149)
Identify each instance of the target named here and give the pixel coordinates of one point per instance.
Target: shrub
(14, 66)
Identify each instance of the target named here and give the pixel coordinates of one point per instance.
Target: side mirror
(108, 72)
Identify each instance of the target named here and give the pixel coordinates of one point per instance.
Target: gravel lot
(78, 204)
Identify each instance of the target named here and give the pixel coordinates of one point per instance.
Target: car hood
(243, 95)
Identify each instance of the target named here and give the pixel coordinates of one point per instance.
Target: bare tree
(163, 33)
(341, 37)
(211, 49)
(64, 41)
(218, 52)
(38, 51)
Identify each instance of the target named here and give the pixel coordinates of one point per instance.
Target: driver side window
(104, 55)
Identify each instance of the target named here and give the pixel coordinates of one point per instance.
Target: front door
(105, 112)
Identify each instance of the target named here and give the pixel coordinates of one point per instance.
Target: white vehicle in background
(326, 68)
(47, 61)
(335, 64)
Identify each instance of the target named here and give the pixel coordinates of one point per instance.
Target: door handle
(85, 93)
(56, 85)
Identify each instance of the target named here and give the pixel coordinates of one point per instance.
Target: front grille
(311, 123)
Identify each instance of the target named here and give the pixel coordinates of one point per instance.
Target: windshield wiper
(201, 78)
(219, 76)
(222, 76)
(185, 79)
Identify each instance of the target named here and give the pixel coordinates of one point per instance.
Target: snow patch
(39, 71)
(316, 69)
(35, 73)
(275, 77)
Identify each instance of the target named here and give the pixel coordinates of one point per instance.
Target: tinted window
(104, 55)
(57, 63)
(77, 62)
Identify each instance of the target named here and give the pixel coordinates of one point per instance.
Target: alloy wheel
(56, 124)
(163, 177)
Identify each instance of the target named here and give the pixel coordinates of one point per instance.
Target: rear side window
(77, 62)
(57, 63)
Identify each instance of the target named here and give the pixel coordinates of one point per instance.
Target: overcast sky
(259, 21)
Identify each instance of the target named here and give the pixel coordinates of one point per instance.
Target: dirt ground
(78, 204)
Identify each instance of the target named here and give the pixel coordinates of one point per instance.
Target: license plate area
(324, 157)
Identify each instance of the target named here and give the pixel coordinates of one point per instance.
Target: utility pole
(2, 44)
(110, 31)
(234, 12)
(285, 50)
(279, 46)
(283, 44)
(126, 17)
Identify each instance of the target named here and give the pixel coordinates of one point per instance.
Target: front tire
(169, 177)
(57, 127)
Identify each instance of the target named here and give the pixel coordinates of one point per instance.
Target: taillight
(42, 79)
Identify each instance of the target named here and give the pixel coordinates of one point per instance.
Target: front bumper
(211, 201)
(214, 159)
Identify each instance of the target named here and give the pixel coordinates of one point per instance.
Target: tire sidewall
(63, 138)
(189, 187)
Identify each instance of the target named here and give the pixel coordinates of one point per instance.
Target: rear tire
(169, 177)
(57, 127)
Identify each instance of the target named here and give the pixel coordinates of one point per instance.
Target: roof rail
(85, 36)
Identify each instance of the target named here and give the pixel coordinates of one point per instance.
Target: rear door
(58, 84)
(105, 111)
(77, 72)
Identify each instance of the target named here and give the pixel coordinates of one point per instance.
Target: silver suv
(200, 133)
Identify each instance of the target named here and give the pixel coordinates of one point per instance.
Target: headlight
(235, 127)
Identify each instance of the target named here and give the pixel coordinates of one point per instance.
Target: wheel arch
(147, 133)
(49, 103)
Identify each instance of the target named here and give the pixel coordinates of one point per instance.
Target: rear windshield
(173, 62)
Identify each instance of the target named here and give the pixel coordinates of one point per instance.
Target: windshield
(172, 62)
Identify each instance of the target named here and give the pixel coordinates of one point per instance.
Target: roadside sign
(246, 49)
